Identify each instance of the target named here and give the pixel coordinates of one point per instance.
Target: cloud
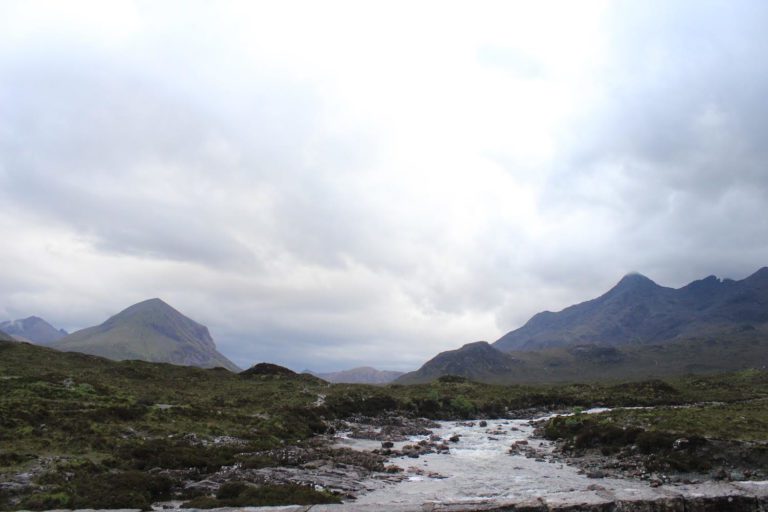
(333, 185)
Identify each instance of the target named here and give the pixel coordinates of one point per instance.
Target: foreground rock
(723, 498)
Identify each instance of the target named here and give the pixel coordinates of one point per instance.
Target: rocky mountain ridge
(639, 311)
(637, 329)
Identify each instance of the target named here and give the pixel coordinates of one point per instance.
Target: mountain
(639, 311)
(361, 375)
(149, 331)
(33, 329)
(6, 337)
(637, 329)
(268, 369)
(589, 363)
(476, 361)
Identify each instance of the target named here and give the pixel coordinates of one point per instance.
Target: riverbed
(480, 470)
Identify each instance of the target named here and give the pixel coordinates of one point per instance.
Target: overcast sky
(331, 184)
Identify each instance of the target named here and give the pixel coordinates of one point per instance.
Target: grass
(240, 494)
(104, 434)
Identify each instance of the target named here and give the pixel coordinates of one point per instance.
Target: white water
(479, 469)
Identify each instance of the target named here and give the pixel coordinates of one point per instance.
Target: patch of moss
(240, 494)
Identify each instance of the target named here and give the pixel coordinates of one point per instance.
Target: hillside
(33, 329)
(590, 363)
(637, 329)
(639, 311)
(361, 375)
(83, 432)
(149, 331)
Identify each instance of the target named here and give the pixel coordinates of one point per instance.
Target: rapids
(480, 469)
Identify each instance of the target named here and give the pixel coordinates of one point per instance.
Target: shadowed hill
(589, 363)
(33, 329)
(149, 331)
(637, 329)
(268, 369)
(638, 311)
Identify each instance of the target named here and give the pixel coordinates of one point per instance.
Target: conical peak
(153, 303)
(634, 279)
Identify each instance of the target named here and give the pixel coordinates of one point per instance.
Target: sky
(334, 184)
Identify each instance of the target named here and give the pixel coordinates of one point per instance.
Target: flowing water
(480, 469)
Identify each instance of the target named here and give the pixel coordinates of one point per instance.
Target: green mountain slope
(590, 363)
(149, 331)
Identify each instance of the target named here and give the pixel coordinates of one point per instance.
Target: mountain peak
(476, 345)
(34, 329)
(634, 279)
(633, 282)
(153, 331)
(154, 303)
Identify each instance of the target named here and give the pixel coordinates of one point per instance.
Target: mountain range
(360, 375)
(150, 331)
(637, 328)
(33, 329)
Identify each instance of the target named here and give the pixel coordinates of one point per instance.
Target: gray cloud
(323, 194)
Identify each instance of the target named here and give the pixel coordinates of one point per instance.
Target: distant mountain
(476, 361)
(6, 337)
(587, 363)
(361, 375)
(638, 311)
(33, 329)
(637, 329)
(149, 331)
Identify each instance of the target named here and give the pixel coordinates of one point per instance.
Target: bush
(239, 494)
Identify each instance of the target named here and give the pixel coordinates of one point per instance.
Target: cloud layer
(333, 184)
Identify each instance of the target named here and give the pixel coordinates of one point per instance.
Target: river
(480, 470)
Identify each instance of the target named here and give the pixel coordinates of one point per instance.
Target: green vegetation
(101, 434)
(744, 421)
(694, 438)
(240, 494)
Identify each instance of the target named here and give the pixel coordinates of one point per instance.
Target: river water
(480, 469)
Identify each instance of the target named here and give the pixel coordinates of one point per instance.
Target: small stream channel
(480, 470)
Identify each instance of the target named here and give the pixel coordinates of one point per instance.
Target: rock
(681, 444)
(483, 423)
(454, 438)
(387, 444)
(595, 474)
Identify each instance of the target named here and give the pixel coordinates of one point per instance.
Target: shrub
(239, 494)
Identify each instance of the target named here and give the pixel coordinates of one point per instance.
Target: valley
(80, 431)
(643, 397)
